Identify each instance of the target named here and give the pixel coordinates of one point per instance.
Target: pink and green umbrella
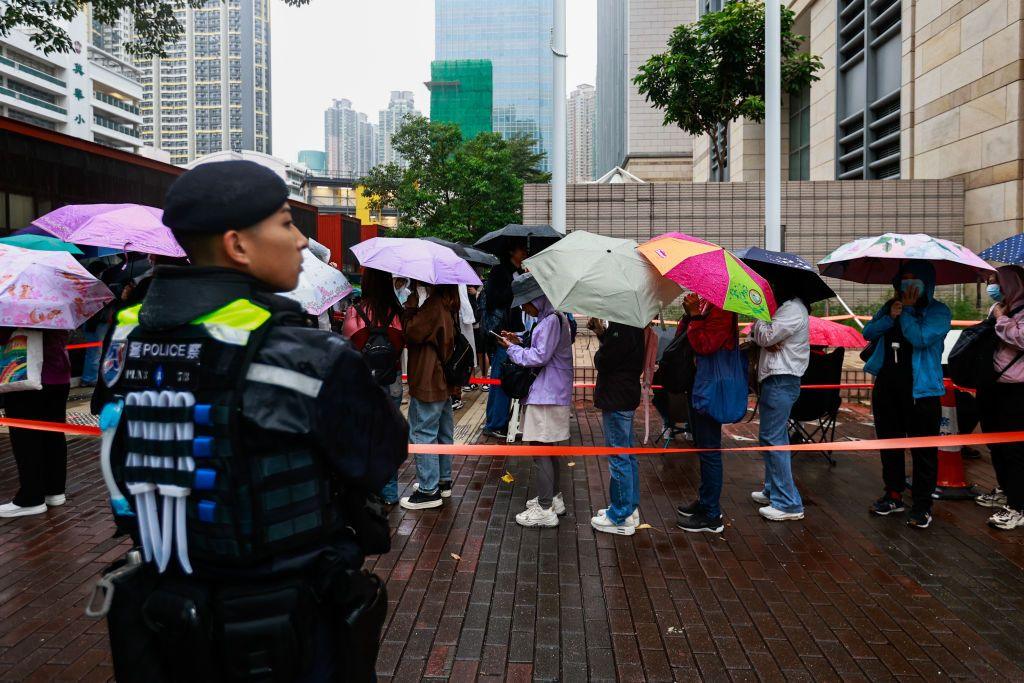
(878, 260)
(711, 271)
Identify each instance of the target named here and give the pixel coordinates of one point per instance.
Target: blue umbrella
(782, 266)
(1010, 250)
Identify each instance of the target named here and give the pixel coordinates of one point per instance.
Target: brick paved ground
(842, 595)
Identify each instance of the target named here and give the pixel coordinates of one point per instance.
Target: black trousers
(41, 457)
(1002, 410)
(898, 415)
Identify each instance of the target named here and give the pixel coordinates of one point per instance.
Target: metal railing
(32, 71)
(107, 123)
(32, 100)
(114, 102)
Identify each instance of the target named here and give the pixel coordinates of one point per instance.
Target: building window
(800, 135)
(708, 6)
(720, 174)
(868, 89)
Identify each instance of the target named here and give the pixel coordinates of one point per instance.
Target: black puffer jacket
(619, 363)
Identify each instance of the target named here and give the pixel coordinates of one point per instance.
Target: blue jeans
(624, 488)
(708, 434)
(390, 490)
(431, 423)
(778, 394)
(498, 402)
(91, 365)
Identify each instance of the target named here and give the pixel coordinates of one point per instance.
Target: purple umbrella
(416, 259)
(128, 227)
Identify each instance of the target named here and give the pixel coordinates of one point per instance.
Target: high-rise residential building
(88, 93)
(581, 133)
(515, 35)
(350, 141)
(462, 92)
(629, 131)
(313, 159)
(211, 92)
(389, 122)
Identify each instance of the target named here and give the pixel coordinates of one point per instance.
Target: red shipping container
(368, 231)
(328, 233)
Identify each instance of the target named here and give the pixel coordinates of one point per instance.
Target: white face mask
(402, 294)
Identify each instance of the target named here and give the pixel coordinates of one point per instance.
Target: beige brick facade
(819, 216)
(960, 106)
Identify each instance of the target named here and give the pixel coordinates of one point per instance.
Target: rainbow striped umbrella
(711, 271)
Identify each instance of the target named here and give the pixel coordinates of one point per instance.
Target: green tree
(153, 21)
(713, 70)
(455, 189)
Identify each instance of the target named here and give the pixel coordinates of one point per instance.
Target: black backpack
(379, 353)
(677, 367)
(516, 379)
(970, 360)
(459, 366)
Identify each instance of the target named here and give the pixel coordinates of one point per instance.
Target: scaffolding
(462, 92)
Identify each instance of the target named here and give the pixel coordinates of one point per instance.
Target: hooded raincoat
(551, 350)
(924, 327)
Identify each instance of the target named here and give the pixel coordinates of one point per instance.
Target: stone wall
(819, 216)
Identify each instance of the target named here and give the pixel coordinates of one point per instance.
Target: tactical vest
(200, 487)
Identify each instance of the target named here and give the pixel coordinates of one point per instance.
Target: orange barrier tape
(84, 345)
(66, 427)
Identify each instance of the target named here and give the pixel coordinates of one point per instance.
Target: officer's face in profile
(270, 251)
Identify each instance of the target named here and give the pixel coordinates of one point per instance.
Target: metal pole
(772, 127)
(558, 137)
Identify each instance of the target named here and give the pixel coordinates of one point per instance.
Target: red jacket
(714, 329)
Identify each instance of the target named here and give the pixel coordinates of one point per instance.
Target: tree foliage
(153, 21)
(453, 188)
(713, 70)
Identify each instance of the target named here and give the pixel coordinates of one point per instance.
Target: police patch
(113, 362)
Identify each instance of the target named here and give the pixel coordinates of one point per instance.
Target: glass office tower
(515, 35)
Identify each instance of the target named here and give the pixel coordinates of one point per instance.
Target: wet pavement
(840, 595)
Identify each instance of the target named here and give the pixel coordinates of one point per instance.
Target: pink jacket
(1011, 332)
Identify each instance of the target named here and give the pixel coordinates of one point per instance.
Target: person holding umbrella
(907, 333)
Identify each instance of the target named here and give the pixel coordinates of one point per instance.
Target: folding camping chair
(675, 415)
(819, 407)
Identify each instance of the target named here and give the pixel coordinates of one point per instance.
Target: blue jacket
(925, 329)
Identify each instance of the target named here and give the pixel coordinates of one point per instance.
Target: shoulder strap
(1009, 365)
(363, 316)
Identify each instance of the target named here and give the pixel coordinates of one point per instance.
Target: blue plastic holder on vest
(202, 446)
(206, 480)
(110, 418)
(203, 414)
(207, 511)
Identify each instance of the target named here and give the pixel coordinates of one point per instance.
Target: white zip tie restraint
(138, 489)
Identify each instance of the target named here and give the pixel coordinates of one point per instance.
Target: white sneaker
(602, 523)
(773, 515)
(56, 501)
(12, 510)
(557, 504)
(632, 520)
(759, 497)
(537, 516)
(995, 498)
(1007, 518)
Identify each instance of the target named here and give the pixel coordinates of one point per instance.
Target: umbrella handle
(855, 318)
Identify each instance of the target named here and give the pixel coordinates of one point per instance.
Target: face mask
(907, 284)
(402, 294)
(994, 292)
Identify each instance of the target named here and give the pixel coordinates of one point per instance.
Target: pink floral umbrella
(829, 333)
(877, 260)
(127, 227)
(47, 290)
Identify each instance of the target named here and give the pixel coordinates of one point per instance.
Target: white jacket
(789, 328)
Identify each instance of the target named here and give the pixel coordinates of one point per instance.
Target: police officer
(240, 448)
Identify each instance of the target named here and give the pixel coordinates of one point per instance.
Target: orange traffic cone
(950, 484)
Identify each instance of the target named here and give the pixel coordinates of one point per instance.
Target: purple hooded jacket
(551, 350)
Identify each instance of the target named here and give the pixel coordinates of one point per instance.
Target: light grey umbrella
(602, 277)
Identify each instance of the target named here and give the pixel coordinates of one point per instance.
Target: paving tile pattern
(473, 596)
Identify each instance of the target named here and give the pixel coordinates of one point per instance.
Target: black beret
(223, 195)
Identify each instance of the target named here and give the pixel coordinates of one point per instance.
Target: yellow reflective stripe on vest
(129, 316)
(240, 314)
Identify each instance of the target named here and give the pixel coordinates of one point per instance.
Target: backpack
(970, 360)
(458, 368)
(677, 367)
(379, 353)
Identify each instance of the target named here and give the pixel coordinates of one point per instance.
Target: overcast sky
(362, 50)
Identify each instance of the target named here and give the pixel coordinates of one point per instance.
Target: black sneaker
(689, 510)
(887, 505)
(443, 487)
(494, 434)
(919, 520)
(422, 501)
(699, 521)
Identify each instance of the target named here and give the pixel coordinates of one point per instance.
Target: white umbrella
(320, 285)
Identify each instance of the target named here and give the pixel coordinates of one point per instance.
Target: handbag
(516, 379)
(21, 361)
(720, 387)
(970, 359)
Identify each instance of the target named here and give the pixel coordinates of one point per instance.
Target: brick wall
(819, 216)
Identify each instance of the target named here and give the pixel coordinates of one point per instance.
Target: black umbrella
(536, 237)
(465, 252)
(781, 266)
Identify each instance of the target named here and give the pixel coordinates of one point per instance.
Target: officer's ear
(236, 248)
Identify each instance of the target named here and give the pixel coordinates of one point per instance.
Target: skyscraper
(350, 141)
(581, 134)
(516, 36)
(462, 92)
(628, 131)
(389, 122)
(212, 90)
